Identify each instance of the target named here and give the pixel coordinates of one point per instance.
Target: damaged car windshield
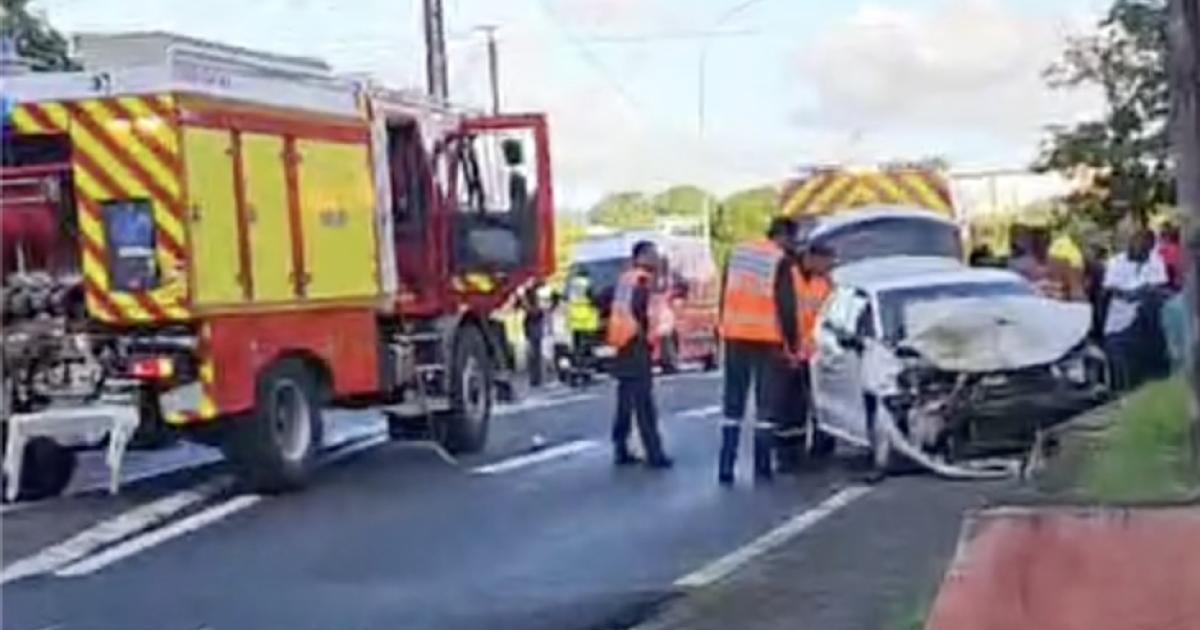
(894, 302)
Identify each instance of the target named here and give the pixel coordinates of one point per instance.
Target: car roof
(905, 272)
(874, 212)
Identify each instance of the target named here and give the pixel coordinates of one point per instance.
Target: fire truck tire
(276, 445)
(46, 469)
(471, 394)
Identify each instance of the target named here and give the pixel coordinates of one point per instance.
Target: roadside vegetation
(1144, 457)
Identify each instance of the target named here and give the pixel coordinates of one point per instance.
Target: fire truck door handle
(194, 212)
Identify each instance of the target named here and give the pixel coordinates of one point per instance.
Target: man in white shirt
(1134, 280)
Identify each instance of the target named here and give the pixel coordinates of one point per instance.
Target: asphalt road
(391, 535)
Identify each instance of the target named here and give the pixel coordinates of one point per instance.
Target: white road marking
(537, 457)
(795, 526)
(111, 530)
(541, 403)
(700, 412)
(156, 537)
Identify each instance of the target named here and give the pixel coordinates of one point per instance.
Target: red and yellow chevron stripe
(122, 148)
(206, 407)
(829, 192)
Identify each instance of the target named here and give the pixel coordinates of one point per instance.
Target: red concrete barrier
(1074, 569)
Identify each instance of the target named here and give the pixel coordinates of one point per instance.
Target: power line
(589, 57)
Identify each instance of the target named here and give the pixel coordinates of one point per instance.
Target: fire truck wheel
(276, 445)
(471, 391)
(46, 469)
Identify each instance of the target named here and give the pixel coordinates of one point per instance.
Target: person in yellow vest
(812, 289)
(583, 321)
(758, 326)
(629, 329)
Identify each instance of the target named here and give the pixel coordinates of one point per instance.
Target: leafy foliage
(1123, 159)
(685, 201)
(740, 216)
(36, 40)
(623, 211)
(632, 210)
(568, 229)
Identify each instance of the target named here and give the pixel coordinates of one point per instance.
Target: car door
(837, 367)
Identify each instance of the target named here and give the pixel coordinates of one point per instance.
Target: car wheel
(881, 445)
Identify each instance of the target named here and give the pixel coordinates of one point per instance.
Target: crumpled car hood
(995, 334)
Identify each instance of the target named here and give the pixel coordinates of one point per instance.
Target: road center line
(536, 457)
(793, 527)
(111, 530)
(156, 537)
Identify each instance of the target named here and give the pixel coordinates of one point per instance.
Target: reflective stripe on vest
(622, 325)
(749, 307)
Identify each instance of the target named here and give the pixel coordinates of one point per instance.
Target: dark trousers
(791, 417)
(1139, 352)
(535, 359)
(635, 396)
(583, 342)
(750, 365)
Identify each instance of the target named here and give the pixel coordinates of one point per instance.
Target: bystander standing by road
(1135, 280)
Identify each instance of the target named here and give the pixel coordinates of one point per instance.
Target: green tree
(623, 211)
(1125, 153)
(742, 215)
(36, 40)
(568, 230)
(684, 201)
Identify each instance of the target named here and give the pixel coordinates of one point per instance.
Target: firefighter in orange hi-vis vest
(629, 329)
(758, 326)
(811, 278)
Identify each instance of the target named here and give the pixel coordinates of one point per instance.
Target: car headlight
(1073, 369)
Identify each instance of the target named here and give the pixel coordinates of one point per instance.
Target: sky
(785, 83)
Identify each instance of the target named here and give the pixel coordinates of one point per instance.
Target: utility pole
(1185, 88)
(493, 54)
(436, 75)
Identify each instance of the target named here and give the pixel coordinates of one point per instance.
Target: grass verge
(1144, 457)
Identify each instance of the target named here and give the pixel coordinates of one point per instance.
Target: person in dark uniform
(812, 290)
(759, 329)
(535, 329)
(628, 327)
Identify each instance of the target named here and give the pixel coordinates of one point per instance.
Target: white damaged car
(920, 355)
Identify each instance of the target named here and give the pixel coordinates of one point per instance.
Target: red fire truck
(240, 239)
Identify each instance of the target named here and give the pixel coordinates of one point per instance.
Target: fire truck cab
(234, 240)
